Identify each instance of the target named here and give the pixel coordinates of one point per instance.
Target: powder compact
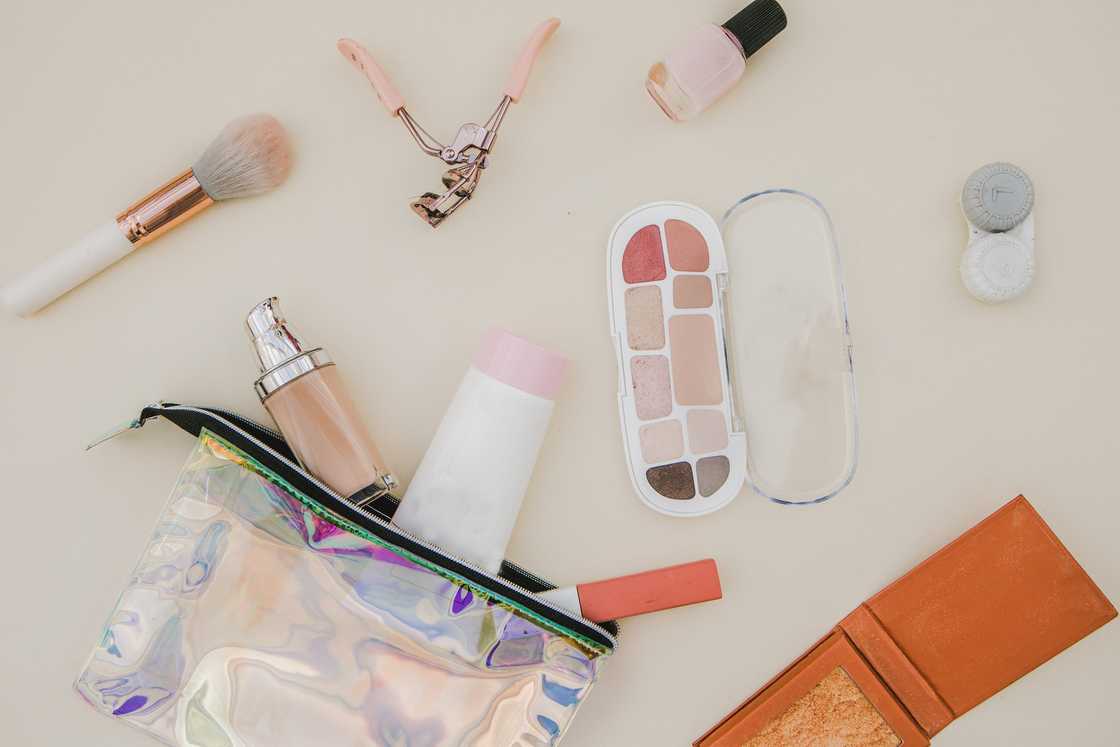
(734, 363)
(988, 608)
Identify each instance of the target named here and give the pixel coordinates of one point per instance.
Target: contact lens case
(998, 204)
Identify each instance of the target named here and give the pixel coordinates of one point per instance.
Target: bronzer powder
(974, 617)
(834, 713)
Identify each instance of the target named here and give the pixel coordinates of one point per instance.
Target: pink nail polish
(712, 59)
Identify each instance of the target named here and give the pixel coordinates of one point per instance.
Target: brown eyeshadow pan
(674, 481)
(834, 712)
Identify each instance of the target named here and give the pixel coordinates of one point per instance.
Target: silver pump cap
(281, 357)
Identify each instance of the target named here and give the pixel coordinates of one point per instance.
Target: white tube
(66, 270)
(468, 489)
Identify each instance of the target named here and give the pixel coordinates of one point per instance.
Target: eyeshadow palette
(707, 404)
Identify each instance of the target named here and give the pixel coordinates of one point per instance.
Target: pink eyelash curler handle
(515, 86)
(364, 61)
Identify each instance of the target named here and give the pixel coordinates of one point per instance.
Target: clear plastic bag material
(257, 617)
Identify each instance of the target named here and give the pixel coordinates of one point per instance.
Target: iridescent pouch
(268, 611)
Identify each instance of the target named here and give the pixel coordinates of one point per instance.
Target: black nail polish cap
(757, 24)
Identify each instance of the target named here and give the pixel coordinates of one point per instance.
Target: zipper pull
(130, 425)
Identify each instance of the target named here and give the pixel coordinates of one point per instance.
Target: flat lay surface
(880, 110)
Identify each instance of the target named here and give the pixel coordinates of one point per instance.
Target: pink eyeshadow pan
(696, 376)
(661, 442)
(688, 252)
(692, 292)
(653, 396)
(644, 259)
(645, 324)
(707, 431)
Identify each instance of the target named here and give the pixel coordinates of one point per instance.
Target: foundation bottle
(710, 61)
(303, 392)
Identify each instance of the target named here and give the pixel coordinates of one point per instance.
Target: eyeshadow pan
(673, 481)
(712, 473)
(653, 397)
(645, 324)
(695, 360)
(707, 431)
(643, 259)
(692, 292)
(662, 441)
(834, 712)
(688, 252)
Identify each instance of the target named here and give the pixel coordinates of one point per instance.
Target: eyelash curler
(468, 152)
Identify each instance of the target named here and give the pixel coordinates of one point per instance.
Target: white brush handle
(66, 270)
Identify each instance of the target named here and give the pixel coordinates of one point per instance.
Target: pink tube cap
(515, 361)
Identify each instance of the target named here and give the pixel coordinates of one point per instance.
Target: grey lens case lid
(997, 197)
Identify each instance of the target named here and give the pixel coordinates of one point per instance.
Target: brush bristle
(251, 155)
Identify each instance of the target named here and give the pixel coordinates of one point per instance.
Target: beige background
(879, 108)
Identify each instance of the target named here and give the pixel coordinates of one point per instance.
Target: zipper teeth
(385, 525)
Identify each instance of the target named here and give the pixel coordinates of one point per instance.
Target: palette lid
(988, 608)
(789, 346)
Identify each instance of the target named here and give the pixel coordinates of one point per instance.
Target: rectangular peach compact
(999, 601)
(732, 368)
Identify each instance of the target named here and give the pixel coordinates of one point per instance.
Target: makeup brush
(250, 156)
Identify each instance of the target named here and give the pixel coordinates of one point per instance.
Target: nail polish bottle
(711, 60)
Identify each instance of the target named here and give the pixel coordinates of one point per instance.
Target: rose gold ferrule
(163, 209)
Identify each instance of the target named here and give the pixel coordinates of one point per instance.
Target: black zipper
(269, 448)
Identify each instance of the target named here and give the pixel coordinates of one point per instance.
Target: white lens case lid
(998, 203)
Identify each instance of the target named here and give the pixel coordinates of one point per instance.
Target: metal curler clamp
(467, 154)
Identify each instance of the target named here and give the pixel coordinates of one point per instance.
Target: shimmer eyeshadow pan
(653, 397)
(720, 355)
(644, 259)
(645, 325)
(674, 481)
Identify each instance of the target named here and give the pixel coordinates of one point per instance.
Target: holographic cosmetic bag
(267, 611)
